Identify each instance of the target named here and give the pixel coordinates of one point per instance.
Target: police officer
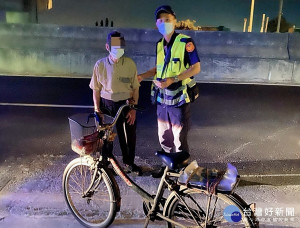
(177, 62)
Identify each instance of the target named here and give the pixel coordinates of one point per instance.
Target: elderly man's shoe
(158, 173)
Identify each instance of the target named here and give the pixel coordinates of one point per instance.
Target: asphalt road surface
(253, 126)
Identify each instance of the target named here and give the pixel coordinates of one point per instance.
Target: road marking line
(236, 150)
(47, 76)
(272, 175)
(4, 182)
(46, 105)
(149, 80)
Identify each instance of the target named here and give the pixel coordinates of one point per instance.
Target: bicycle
(195, 200)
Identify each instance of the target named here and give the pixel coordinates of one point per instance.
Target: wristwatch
(176, 78)
(97, 110)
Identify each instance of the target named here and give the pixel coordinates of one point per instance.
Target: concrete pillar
(279, 15)
(262, 23)
(251, 16)
(245, 24)
(267, 23)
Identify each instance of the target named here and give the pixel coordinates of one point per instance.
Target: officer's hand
(165, 83)
(140, 78)
(131, 115)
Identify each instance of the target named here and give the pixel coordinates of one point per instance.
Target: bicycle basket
(84, 136)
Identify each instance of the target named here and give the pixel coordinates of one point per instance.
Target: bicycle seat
(174, 160)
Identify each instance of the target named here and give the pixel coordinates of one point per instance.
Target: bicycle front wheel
(190, 208)
(92, 205)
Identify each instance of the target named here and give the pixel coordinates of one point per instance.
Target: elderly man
(114, 82)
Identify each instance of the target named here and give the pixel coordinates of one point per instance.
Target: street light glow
(49, 4)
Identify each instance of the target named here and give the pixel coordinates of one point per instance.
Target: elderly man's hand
(100, 116)
(131, 115)
(165, 83)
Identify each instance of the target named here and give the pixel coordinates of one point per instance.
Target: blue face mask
(165, 28)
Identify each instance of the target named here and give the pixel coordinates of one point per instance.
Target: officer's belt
(181, 88)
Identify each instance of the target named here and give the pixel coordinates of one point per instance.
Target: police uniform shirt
(190, 56)
(115, 81)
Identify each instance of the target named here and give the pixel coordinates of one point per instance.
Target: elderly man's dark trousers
(126, 132)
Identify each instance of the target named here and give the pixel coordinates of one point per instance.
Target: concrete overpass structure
(226, 57)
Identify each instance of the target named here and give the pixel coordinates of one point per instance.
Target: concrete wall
(232, 57)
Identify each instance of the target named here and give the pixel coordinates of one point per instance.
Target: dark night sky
(140, 13)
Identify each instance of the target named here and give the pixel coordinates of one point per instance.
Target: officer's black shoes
(133, 169)
(158, 173)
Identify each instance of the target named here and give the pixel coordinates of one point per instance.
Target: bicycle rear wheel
(98, 206)
(224, 210)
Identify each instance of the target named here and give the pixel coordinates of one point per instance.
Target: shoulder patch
(190, 47)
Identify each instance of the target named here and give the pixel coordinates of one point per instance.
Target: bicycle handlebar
(101, 126)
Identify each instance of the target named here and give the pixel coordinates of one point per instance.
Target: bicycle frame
(117, 168)
(144, 194)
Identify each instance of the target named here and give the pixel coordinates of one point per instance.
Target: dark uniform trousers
(173, 127)
(126, 132)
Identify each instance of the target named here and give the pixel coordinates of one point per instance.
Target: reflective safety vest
(176, 94)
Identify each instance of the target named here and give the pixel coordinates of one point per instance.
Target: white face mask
(165, 28)
(116, 53)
